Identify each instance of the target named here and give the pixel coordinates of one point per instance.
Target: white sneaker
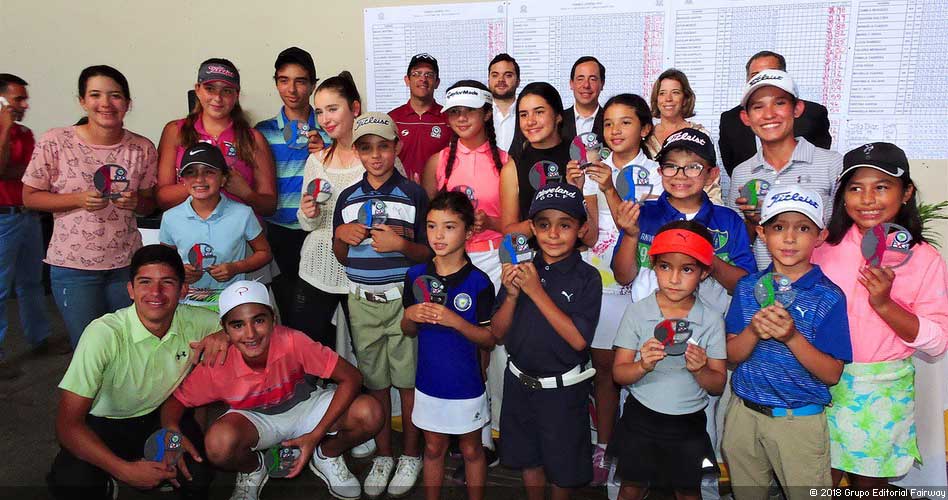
(377, 479)
(406, 475)
(334, 472)
(366, 449)
(248, 486)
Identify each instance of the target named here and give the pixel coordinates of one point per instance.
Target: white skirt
(450, 416)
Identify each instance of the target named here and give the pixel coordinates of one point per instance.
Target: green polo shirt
(126, 369)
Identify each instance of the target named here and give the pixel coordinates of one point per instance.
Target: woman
(94, 231)
(673, 102)
(217, 118)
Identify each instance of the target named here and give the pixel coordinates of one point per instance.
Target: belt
(576, 375)
(771, 411)
(484, 246)
(384, 297)
(11, 210)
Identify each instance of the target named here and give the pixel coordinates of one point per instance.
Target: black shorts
(547, 428)
(659, 450)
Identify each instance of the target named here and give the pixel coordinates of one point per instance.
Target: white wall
(158, 46)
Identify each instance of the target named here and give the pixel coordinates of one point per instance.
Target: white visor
(469, 97)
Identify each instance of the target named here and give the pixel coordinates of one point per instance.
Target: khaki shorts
(386, 357)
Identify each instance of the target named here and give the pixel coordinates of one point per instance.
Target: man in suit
(586, 80)
(736, 140)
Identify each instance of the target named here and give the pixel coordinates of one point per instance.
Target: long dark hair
(242, 131)
(908, 216)
(638, 104)
(549, 94)
(345, 86)
(488, 130)
(454, 201)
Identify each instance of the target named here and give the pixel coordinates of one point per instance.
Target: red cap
(683, 241)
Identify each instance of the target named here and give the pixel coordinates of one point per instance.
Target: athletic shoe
(364, 450)
(248, 486)
(377, 479)
(334, 472)
(406, 475)
(600, 466)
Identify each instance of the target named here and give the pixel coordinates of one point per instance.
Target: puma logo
(569, 296)
(801, 310)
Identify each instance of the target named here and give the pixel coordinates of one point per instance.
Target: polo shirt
(729, 239)
(772, 375)
(227, 230)
(811, 167)
(670, 388)
(276, 388)
(127, 370)
(289, 165)
(449, 365)
(421, 135)
(532, 343)
(406, 206)
(475, 169)
(585, 124)
(21, 150)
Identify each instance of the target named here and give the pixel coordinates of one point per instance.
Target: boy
(770, 108)
(376, 260)
(271, 403)
(547, 318)
(787, 354)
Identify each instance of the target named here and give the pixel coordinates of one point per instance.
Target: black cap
(219, 72)
(692, 140)
(203, 153)
(423, 58)
(882, 156)
(566, 198)
(296, 55)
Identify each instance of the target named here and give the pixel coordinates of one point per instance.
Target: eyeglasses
(427, 75)
(669, 169)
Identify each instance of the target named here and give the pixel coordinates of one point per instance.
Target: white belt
(574, 376)
(390, 295)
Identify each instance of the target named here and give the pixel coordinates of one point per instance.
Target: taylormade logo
(763, 77)
(791, 196)
(463, 91)
(685, 136)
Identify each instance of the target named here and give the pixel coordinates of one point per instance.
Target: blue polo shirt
(227, 230)
(289, 164)
(406, 206)
(772, 375)
(532, 343)
(729, 236)
(449, 365)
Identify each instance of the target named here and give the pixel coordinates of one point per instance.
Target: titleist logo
(361, 122)
(685, 136)
(790, 196)
(220, 70)
(763, 77)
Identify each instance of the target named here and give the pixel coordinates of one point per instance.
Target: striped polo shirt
(406, 206)
(810, 167)
(289, 164)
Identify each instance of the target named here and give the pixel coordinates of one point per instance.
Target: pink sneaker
(600, 466)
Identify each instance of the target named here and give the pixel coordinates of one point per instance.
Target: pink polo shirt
(920, 286)
(291, 355)
(227, 143)
(475, 169)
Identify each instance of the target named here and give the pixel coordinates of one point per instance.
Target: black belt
(11, 210)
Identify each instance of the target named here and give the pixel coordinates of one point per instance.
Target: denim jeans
(83, 295)
(21, 269)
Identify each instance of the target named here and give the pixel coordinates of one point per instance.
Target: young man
(288, 134)
(737, 141)
(770, 109)
(586, 80)
(422, 127)
(21, 247)
(787, 354)
(503, 79)
(379, 228)
(126, 365)
(271, 403)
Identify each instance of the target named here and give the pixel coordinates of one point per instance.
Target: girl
(94, 236)
(217, 118)
(627, 120)
(893, 312)
(208, 222)
(450, 397)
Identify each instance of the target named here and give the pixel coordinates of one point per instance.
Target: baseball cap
(769, 78)
(243, 292)
(374, 123)
(782, 199)
(218, 72)
(296, 55)
(566, 198)
(683, 241)
(469, 97)
(882, 156)
(203, 153)
(692, 140)
(423, 58)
